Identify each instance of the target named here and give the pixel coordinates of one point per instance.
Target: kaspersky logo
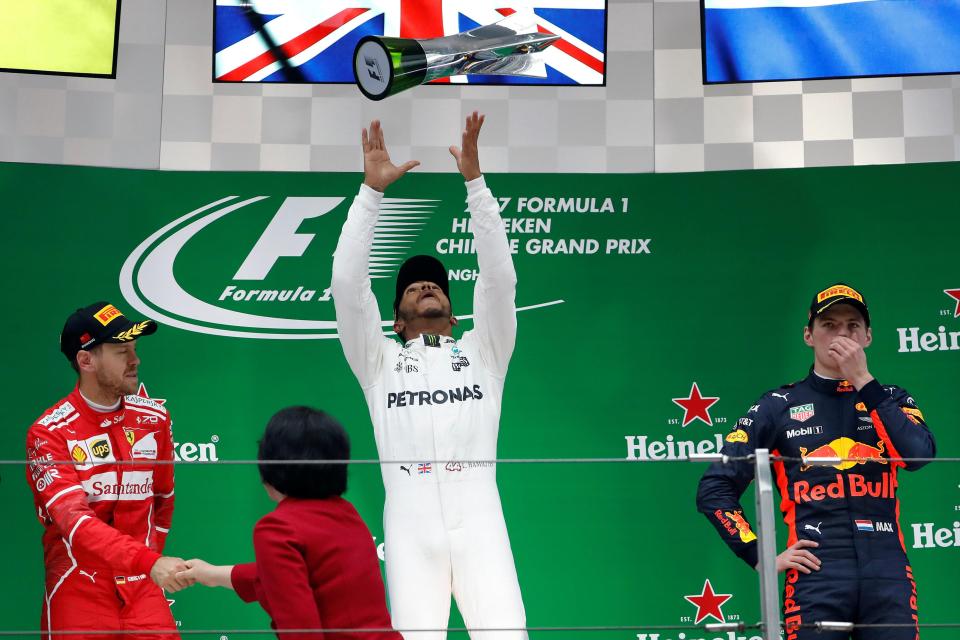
(260, 267)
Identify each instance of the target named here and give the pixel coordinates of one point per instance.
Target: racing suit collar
(80, 404)
(829, 385)
(429, 340)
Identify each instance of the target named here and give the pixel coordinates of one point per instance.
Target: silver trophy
(384, 66)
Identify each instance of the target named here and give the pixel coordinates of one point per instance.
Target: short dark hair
(304, 433)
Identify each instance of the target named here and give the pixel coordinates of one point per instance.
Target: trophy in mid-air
(385, 66)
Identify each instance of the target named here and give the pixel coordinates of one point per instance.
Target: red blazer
(316, 568)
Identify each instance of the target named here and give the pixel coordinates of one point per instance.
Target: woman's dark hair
(303, 433)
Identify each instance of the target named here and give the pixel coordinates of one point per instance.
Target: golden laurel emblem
(132, 333)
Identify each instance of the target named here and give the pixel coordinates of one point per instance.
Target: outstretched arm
(358, 314)
(209, 575)
(494, 295)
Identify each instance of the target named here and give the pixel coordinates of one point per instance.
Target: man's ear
(808, 336)
(869, 337)
(453, 321)
(398, 326)
(85, 360)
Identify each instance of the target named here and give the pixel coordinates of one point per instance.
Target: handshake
(174, 574)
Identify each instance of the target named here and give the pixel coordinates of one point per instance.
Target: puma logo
(89, 575)
(407, 468)
(784, 396)
(813, 528)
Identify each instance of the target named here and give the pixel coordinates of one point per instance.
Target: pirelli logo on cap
(108, 313)
(839, 290)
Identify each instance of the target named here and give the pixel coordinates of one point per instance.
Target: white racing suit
(436, 398)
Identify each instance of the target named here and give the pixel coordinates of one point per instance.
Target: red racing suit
(105, 523)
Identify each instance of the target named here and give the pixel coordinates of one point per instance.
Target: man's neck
(98, 397)
(438, 327)
(826, 372)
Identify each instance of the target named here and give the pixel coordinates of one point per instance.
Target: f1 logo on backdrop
(236, 306)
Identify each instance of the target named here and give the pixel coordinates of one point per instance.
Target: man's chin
(434, 312)
(129, 386)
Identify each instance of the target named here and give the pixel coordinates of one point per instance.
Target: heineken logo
(802, 413)
(260, 267)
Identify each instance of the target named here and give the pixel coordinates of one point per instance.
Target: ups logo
(100, 448)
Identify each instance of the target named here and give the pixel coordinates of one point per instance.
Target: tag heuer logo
(802, 413)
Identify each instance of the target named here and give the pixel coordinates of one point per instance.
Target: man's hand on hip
(797, 557)
(378, 171)
(164, 573)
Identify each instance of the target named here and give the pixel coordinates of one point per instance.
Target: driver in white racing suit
(435, 398)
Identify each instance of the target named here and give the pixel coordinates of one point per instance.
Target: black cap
(100, 323)
(836, 294)
(418, 269)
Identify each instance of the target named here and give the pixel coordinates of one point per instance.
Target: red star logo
(142, 392)
(708, 603)
(695, 406)
(955, 294)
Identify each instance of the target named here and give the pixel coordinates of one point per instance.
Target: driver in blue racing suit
(845, 559)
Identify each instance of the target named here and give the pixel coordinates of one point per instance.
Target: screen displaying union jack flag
(313, 40)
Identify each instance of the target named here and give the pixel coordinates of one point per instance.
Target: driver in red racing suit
(104, 523)
(845, 560)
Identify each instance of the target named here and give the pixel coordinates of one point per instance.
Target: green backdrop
(707, 280)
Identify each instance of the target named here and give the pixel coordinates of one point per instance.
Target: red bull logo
(792, 616)
(914, 415)
(850, 452)
(725, 522)
(845, 387)
(851, 485)
(743, 527)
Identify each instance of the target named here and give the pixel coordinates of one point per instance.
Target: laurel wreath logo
(133, 332)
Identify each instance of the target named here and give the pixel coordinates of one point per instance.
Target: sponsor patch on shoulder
(737, 435)
(57, 414)
(913, 414)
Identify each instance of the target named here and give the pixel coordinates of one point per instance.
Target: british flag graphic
(313, 40)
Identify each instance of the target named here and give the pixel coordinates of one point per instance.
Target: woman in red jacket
(316, 564)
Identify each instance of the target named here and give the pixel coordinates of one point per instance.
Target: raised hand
(467, 155)
(378, 171)
(851, 360)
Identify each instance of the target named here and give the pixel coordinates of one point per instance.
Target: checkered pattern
(317, 127)
(164, 111)
(790, 124)
(92, 121)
